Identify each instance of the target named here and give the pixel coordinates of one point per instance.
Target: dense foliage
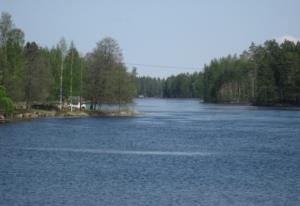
(268, 74)
(6, 104)
(179, 86)
(150, 87)
(106, 79)
(183, 86)
(32, 74)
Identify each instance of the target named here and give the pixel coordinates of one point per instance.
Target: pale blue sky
(173, 33)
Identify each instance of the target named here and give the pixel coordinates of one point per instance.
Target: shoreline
(39, 114)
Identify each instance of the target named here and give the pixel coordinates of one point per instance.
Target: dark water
(181, 152)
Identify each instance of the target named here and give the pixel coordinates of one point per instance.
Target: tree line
(267, 74)
(31, 74)
(184, 85)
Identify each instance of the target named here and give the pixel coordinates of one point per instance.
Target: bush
(7, 106)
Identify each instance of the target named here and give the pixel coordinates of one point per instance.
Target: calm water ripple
(181, 152)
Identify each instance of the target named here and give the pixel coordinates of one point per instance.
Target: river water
(180, 152)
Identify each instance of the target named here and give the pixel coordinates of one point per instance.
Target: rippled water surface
(180, 152)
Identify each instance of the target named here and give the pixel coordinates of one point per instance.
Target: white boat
(77, 106)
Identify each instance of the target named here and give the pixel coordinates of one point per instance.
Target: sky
(172, 36)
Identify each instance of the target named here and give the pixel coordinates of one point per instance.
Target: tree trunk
(71, 80)
(80, 98)
(61, 82)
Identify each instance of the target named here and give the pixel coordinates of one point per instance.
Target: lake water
(180, 152)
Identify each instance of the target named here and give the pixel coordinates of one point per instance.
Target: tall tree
(15, 64)
(55, 59)
(106, 78)
(63, 49)
(11, 56)
(6, 26)
(37, 81)
(71, 73)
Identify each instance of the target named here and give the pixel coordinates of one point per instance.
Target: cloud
(287, 37)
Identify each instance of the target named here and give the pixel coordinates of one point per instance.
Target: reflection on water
(181, 152)
(121, 152)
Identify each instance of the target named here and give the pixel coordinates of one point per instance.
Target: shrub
(7, 106)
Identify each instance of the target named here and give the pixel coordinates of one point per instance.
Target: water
(181, 152)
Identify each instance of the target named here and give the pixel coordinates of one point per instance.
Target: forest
(32, 74)
(267, 74)
(183, 85)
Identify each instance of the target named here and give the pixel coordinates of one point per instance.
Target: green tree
(63, 51)
(37, 76)
(6, 104)
(105, 78)
(72, 72)
(6, 26)
(122, 84)
(11, 56)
